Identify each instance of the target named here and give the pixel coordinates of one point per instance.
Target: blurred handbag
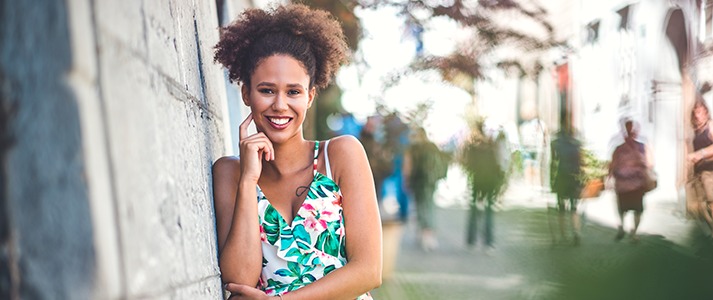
(651, 180)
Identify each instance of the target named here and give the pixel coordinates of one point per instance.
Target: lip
(278, 126)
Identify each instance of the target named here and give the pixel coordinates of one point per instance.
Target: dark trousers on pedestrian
(486, 215)
(424, 205)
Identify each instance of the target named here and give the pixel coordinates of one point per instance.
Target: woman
(700, 158)
(565, 171)
(296, 219)
(630, 166)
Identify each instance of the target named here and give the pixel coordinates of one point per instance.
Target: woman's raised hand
(253, 149)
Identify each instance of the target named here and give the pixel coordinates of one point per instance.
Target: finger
(263, 147)
(244, 126)
(232, 287)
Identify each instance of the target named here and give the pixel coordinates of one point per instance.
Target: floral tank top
(297, 254)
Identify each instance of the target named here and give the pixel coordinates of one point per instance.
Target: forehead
(280, 68)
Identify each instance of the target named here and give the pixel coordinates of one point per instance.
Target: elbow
(375, 278)
(232, 273)
(377, 281)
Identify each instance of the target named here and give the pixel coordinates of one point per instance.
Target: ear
(245, 93)
(312, 94)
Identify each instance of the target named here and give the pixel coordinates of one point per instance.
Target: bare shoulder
(346, 155)
(227, 166)
(345, 147)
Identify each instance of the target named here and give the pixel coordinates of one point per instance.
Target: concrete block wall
(116, 113)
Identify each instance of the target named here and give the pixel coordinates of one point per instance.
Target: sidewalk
(672, 260)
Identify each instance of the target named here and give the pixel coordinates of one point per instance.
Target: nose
(280, 102)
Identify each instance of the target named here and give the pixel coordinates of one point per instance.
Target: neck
(291, 157)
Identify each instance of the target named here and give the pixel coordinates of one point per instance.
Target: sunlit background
(113, 112)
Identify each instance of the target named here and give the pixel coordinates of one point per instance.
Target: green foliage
(592, 167)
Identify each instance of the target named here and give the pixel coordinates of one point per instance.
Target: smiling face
(278, 96)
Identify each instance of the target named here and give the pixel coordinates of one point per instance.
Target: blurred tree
(328, 101)
(491, 31)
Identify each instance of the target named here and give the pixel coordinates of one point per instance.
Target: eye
(265, 91)
(294, 92)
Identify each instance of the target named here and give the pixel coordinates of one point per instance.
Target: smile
(279, 121)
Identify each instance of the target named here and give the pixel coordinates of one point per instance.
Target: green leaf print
(304, 240)
(293, 252)
(278, 286)
(328, 243)
(271, 224)
(294, 267)
(284, 273)
(286, 238)
(329, 269)
(308, 278)
(322, 187)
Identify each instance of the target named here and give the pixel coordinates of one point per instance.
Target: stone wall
(112, 113)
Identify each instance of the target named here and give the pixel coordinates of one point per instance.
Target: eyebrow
(289, 85)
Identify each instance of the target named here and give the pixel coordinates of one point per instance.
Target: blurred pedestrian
(395, 143)
(428, 165)
(630, 166)
(486, 179)
(701, 160)
(565, 174)
(380, 160)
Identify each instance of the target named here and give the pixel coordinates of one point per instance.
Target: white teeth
(280, 121)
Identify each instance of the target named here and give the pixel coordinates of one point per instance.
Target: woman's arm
(362, 223)
(649, 156)
(235, 183)
(237, 224)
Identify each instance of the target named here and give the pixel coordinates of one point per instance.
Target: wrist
(245, 183)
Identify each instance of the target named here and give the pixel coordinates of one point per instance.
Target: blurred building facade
(111, 115)
(643, 59)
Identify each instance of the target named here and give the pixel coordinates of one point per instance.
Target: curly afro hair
(312, 37)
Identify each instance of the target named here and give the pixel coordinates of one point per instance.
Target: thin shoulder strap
(326, 160)
(316, 156)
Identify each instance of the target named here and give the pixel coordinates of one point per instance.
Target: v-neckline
(304, 201)
(309, 187)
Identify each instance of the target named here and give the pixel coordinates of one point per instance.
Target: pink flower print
(337, 199)
(263, 235)
(309, 211)
(261, 282)
(308, 206)
(315, 225)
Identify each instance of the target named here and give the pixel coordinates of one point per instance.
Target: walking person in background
(428, 165)
(630, 166)
(486, 179)
(296, 219)
(701, 159)
(565, 173)
(380, 160)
